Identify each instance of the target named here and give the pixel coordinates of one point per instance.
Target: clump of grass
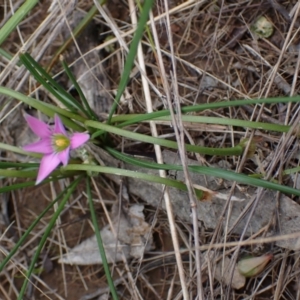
(78, 115)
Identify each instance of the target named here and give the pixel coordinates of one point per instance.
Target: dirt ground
(219, 57)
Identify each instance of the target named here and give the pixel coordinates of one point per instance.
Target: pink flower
(54, 143)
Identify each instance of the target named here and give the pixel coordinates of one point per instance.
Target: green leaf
(237, 150)
(50, 84)
(46, 109)
(99, 241)
(216, 172)
(127, 173)
(16, 18)
(131, 55)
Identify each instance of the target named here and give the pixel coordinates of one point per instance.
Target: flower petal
(42, 146)
(64, 156)
(48, 164)
(59, 126)
(78, 139)
(40, 128)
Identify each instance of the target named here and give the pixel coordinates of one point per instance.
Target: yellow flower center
(60, 142)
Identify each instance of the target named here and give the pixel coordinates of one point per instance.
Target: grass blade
(16, 18)
(211, 171)
(49, 83)
(131, 55)
(237, 150)
(99, 241)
